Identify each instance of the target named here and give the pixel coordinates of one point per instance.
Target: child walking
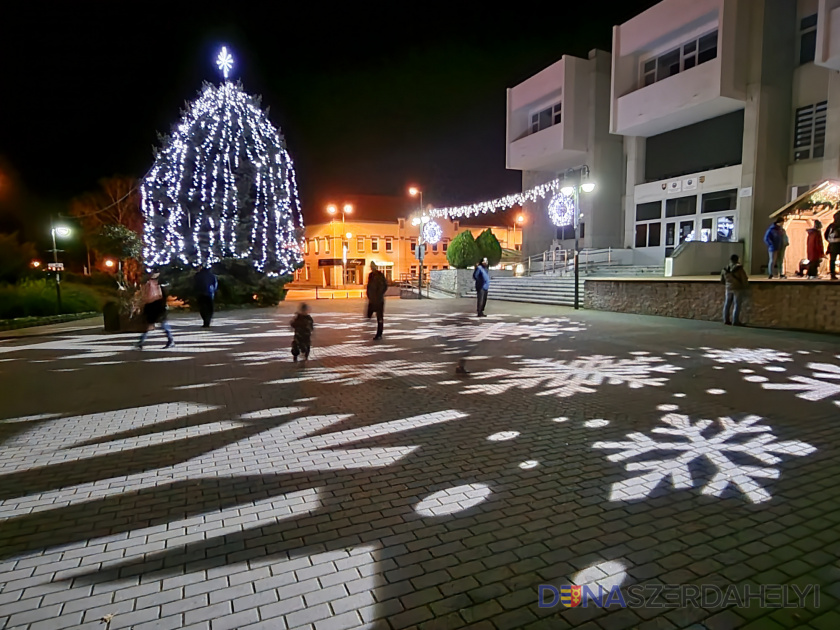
(302, 324)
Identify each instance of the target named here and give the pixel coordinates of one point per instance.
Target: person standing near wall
(815, 251)
(736, 281)
(832, 235)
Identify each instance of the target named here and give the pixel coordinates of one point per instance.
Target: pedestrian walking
(774, 238)
(815, 250)
(206, 285)
(303, 326)
(377, 286)
(154, 310)
(832, 235)
(736, 280)
(481, 275)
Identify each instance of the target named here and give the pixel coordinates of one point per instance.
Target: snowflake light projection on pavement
(823, 383)
(718, 448)
(751, 356)
(576, 376)
(358, 374)
(534, 329)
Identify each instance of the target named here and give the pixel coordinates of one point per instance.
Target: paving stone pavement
(219, 485)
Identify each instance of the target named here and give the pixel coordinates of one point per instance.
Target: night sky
(370, 97)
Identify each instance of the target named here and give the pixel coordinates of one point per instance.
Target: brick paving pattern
(219, 485)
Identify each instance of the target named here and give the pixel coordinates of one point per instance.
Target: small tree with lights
(223, 186)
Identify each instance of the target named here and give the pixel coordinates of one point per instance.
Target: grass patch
(37, 298)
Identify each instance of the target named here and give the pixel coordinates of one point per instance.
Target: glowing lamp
(348, 208)
(332, 209)
(62, 231)
(588, 187)
(349, 235)
(413, 191)
(109, 263)
(568, 190)
(36, 263)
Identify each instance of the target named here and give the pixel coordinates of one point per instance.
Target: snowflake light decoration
(718, 449)
(432, 232)
(816, 387)
(752, 356)
(224, 61)
(567, 378)
(561, 210)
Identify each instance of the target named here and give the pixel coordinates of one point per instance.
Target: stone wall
(787, 304)
(459, 282)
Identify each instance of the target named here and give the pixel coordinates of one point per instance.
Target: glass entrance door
(676, 233)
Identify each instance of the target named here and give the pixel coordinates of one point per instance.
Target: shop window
(680, 59)
(681, 206)
(807, 39)
(809, 132)
(648, 211)
(719, 201)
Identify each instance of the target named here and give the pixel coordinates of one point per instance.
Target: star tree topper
(224, 61)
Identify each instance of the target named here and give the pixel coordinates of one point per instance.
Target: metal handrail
(552, 260)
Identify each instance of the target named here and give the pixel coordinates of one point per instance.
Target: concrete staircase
(625, 271)
(547, 289)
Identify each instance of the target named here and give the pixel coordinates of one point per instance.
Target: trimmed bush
(36, 298)
(463, 251)
(489, 247)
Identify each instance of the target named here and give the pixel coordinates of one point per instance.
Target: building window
(326, 245)
(413, 271)
(720, 201)
(809, 133)
(360, 244)
(681, 206)
(444, 244)
(565, 232)
(315, 244)
(546, 118)
(435, 248)
(648, 234)
(308, 271)
(648, 211)
(434, 267)
(680, 59)
(389, 244)
(306, 246)
(374, 243)
(413, 245)
(807, 39)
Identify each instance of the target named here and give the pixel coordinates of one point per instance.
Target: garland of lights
(432, 232)
(223, 186)
(495, 205)
(561, 210)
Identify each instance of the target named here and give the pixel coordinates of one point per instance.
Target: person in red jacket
(815, 249)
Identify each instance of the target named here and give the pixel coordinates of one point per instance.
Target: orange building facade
(338, 253)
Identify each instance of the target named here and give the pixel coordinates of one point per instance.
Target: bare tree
(117, 202)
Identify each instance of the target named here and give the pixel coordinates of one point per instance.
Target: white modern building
(725, 110)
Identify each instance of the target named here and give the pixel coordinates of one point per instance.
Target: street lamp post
(346, 209)
(581, 175)
(60, 231)
(414, 192)
(520, 219)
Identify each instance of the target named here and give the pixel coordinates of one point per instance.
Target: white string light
(223, 186)
(501, 204)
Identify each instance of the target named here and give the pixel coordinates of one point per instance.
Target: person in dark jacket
(206, 285)
(154, 310)
(815, 250)
(774, 238)
(832, 235)
(481, 275)
(377, 286)
(736, 280)
(303, 326)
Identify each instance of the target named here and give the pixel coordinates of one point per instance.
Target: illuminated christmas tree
(223, 186)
